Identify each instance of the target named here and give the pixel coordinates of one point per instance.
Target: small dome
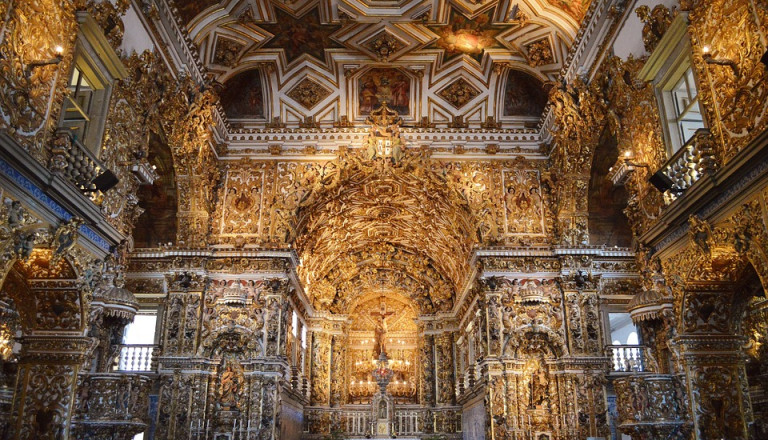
(115, 299)
(648, 305)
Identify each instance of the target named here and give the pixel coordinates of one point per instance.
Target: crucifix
(381, 328)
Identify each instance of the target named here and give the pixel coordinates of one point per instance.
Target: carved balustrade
(630, 359)
(695, 159)
(408, 420)
(651, 406)
(111, 405)
(137, 357)
(76, 163)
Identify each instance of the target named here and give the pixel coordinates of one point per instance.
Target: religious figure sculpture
(381, 330)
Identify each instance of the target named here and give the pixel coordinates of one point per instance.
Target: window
(677, 93)
(85, 106)
(682, 111)
(622, 330)
(95, 69)
(142, 329)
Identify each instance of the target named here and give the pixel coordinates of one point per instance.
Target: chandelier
(382, 373)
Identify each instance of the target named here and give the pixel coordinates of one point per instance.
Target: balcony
(137, 358)
(695, 159)
(73, 161)
(631, 359)
(111, 405)
(651, 406)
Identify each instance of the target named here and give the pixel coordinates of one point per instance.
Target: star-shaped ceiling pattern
(468, 36)
(303, 35)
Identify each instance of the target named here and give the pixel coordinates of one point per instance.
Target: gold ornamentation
(227, 52)
(308, 93)
(383, 45)
(540, 53)
(459, 93)
(655, 23)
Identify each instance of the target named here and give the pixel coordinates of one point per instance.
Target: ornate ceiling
(385, 228)
(318, 58)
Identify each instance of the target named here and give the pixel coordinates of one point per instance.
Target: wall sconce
(709, 59)
(39, 63)
(619, 173)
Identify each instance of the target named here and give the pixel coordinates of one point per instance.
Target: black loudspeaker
(105, 181)
(661, 181)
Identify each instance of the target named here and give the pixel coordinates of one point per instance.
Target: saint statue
(382, 409)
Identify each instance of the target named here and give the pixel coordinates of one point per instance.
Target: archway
(52, 308)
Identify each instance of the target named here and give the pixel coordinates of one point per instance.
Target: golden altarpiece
(365, 219)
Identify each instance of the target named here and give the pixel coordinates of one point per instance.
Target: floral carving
(459, 93)
(540, 53)
(308, 93)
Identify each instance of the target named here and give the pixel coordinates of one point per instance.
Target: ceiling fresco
(468, 36)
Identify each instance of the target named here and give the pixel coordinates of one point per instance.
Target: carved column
(427, 366)
(46, 384)
(321, 363)
(338, 355)
(716, 382)
(493, 319)
(445, 369)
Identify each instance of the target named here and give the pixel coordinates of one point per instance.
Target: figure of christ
(381, 329)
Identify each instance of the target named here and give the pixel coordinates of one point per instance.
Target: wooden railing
(693, 160)
(630, 358)
(136, 357)
(76, 163)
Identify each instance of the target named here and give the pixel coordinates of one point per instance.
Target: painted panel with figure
(242, 97)
(524, 95)
(523, 204)
(384, 85)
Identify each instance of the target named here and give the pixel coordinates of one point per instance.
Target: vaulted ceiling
(386, 229)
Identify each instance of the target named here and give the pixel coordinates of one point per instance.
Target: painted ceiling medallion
(308, 93)
(459, 93)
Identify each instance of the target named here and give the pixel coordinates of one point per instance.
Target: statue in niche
(230, 385)
(539, 387)
(383, 409)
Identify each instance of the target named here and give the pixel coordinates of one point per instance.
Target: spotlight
(661, 181)
(105, 181)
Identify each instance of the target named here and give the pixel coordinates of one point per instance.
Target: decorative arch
(707, 275)
(47, 293)
(157, 224)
